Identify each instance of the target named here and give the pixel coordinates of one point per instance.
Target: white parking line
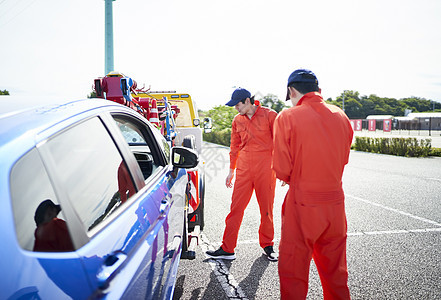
(381, 232)
(355, 233)
(431, 178)
(395, 210)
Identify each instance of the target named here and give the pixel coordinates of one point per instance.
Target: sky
(390, 48)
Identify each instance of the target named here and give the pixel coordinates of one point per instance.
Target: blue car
(93, 203)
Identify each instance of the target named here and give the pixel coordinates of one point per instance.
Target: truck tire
(189, 142)
(185, 233)
(200, 209)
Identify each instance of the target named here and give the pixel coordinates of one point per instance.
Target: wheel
(185, 231)
(189, 142)
(201, 201)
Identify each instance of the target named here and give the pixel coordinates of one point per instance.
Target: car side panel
(142, 243)
(149, 254)
(34, 275)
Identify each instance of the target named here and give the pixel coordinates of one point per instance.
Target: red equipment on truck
(117, 87)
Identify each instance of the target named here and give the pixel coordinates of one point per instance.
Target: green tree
(368, 106)
(222, 116)
(353, 109)
(4, 92)
(273, 102)
(419, 104)
(92, 94)
(352, 106)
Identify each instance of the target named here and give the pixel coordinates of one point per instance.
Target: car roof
(21, 120)
(30, 113)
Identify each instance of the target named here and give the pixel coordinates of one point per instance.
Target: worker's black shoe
(269, 251)
(220, 254)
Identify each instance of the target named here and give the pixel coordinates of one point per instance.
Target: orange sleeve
(282, 162)
(234, 145)
(350, 138)
(272, 115)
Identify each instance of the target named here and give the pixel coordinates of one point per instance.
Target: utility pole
(108, 47)
(343, 107)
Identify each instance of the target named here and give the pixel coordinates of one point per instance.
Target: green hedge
(435, 152)
(411, 147)
(221, 137)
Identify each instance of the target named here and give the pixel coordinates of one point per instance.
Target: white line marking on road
(381, 232)
(222, 273)
(395, 210)
(359, 233)
(431, 178)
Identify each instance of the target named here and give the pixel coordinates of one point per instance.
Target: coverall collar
(257, 109)
(257, 105)
(310, 97)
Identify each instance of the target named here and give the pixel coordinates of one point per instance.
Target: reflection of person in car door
(125, 184)
(51, 234)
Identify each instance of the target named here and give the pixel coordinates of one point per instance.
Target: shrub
(221, 137)
(435, 152)
(395, 146)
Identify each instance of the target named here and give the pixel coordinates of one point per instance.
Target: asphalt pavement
(394, 234)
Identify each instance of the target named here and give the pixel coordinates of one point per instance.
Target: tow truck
(176, 116)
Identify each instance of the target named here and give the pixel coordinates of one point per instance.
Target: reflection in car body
(111, 182)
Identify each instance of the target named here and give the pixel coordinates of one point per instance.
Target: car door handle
(110, 268)
(164, 206)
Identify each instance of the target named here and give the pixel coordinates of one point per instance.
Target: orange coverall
(251, 149)
(311, 147)
(53, 236)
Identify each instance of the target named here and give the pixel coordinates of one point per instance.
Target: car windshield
(184, 118)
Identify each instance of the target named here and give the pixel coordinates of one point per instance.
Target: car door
(118, 223)
(42, 263)
(157, 277)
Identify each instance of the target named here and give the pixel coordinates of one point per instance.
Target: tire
(189, 142)
(185, 233)
(201, 201)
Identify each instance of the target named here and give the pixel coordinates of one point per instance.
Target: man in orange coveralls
(312, 141)
(251, 147)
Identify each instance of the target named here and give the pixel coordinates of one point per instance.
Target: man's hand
(229, 180)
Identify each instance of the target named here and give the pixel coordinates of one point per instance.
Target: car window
(40, 223)
(92, 171)
(143, 144)
(164, 145)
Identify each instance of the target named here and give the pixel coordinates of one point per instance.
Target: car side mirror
(208, 125)
(183, 157)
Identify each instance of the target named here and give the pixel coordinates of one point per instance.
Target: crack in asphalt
(222, 273)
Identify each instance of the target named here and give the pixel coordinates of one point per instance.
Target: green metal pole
(108, 47)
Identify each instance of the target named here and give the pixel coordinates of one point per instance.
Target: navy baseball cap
(301, 75)
(238, 95)
(41, 210)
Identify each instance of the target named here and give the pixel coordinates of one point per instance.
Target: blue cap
(302, 75)
(239, 94)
